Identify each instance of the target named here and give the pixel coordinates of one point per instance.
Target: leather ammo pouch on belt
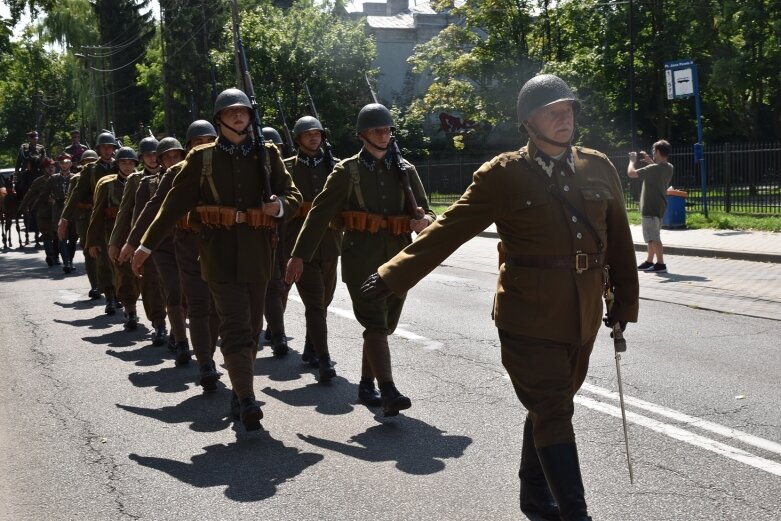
(111, 212)
(373, 222)
(304, 209)
(184, 224)
(209, 214)
(257, 219)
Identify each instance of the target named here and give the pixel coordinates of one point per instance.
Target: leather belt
(241, 217)
(579, 262)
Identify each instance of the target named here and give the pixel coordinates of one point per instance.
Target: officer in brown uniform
(559, 211)
(108, 196)
(37, 202)
(152, 296)
(81, 223)
(58, 189)
(201, 313)
(365, 190)
(76, 149)
(81, 200)
(310, 168)
(169, 153)
(224, 182)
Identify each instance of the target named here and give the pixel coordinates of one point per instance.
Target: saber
(619, 344)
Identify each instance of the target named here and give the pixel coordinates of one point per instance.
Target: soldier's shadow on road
(251, 468)
(416, 447)
(207, 412)
(16, 268)
(280, 368)
(82, 304)
(119, 338)
(144, 356)
(675, 277)
(97, 322)
(169, 379)
(335, 397)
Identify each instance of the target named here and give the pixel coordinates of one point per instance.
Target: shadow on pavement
(19, 268)
(251, 468)
(415, 446)
(207, 412)
(169, 379)
(88, 303)
(286, 368)
(119, 338)
(144, 356)
(335, 397)
(674, 277)
(101, 321)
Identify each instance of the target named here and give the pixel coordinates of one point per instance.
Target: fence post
(727, 178)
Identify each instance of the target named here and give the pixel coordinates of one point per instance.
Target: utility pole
(235, 12)
(167, 101)
(632, 132)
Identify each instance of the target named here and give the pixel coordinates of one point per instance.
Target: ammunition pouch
(304, 209)
(111, 212)
(226, 216)
(358, 221)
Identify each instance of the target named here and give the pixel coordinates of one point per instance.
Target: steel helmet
(271, 134)
(199, 128)
(230, 98)
(148, 145)
(374, 115)
(541, 91)
(107, 138)
(306, 124)
(168, 143)
(126, 153)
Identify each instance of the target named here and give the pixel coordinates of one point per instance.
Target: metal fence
(741, 178)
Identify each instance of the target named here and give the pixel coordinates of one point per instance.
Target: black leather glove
(374, 288)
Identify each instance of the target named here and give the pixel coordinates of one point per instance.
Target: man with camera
(656, 176)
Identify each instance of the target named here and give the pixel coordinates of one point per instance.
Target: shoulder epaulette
(590, 151)
(506, 157)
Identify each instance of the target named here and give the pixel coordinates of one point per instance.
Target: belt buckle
(581, 262)
(241, 217)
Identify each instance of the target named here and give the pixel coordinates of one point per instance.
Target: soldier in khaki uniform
(37, 202)
(81, 222)
(82, 200)
(108, 196)
(201, 313)
(365, 189)
(57, 187)
(310, 168)
(152, 296)
(225, 181)
(559, 211)
(28, 168)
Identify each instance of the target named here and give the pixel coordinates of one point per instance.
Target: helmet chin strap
(541, 137)
(375, 145)
(238, 132)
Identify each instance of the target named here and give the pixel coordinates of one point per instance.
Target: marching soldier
(224, 181)
(316, 286)
(81, 200)
(108, 196)
(28, 168)
(169, 153)
(152, 296)
(81, 223)
(76, 149)
(57, 187)
(560, 214)
(365, 190)
(201, 313)
(37, 202)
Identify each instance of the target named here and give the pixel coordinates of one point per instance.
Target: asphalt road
(97, 424)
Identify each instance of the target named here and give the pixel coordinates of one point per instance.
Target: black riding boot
(535, 495)
(562, 471)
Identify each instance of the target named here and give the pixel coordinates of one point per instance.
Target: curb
(689, 251)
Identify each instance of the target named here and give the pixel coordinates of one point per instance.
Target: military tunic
(37, 200)
(81, 224)
(57, 187)
(547, 318)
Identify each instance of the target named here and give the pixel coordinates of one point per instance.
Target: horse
(9, 202)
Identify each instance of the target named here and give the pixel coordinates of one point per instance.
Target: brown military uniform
(36, 200)
(362, 251)
(236, 260)
(108, 196)
(547, 317)
(152, 296)
(82, 222)
(57, 187)
(317, 283)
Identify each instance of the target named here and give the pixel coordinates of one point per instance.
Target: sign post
(683, 82)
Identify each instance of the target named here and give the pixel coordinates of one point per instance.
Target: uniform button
(598, 196)
(382, 183)
(383, 197)
(574, 219)
(528, 203)
(579, 235)
(561, 173)
(566, 188)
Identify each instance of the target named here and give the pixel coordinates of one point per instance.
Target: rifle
(249, 90)
(409, 197)
(113, 133)
(327, 150)
(289, 145)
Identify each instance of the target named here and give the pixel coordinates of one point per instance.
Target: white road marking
(683, 435)
(721, 430)
(672, 431)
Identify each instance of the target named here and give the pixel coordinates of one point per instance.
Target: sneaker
(646, 266)
(658, 268)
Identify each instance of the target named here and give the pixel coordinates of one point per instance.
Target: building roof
(404, 19)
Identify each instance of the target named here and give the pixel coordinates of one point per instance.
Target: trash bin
(675, 214)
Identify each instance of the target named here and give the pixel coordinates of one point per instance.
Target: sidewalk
(716, 270)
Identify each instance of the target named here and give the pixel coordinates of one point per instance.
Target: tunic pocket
(595, 204)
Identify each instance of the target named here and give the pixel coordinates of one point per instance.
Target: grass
(697, 221)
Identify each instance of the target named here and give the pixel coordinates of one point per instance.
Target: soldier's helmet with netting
(126, 153)
(230, 98)
(374, 115)
(167, 144)
(541, 91)
(306, 124)
(199, 128)
(148, 145)
(107, 138)
(271, 134)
